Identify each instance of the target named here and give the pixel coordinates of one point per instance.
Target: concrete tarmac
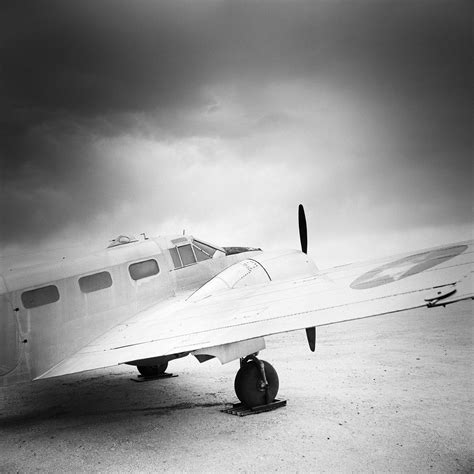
(386, 394)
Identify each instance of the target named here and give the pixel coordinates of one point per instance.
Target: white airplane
(146, 302)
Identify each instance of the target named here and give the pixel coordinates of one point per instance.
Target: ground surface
(384, 394)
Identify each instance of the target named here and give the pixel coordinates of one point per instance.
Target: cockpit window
(175, 256)
(182, 256)
(200, 255)
(188, 254)
(204, 249)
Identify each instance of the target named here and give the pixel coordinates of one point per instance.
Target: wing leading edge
(432, 277)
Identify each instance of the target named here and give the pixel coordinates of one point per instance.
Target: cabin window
(40, 296)
(187, 255)
(95, 282)
(143, 269)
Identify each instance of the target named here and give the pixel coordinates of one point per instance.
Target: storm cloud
(223, 116)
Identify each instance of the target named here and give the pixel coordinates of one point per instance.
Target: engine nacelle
(262, 268)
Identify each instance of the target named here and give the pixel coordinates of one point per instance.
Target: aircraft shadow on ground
(103, 399)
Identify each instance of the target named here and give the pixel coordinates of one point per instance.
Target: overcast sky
(221, 117)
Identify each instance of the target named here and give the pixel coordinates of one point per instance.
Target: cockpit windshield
(187, 252)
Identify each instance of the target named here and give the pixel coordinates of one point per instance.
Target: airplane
(145, 302)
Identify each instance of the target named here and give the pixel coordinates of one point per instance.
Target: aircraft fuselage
(50, 311)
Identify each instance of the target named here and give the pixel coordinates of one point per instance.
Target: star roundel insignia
(406, 267)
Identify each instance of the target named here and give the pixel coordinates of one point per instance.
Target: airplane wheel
(152, 370)
(249, 386)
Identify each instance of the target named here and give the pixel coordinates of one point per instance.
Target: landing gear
(152, 370)
(256, 382)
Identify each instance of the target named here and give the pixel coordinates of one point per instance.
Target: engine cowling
(262, 268)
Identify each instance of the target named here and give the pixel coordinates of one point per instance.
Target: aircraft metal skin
(218, 307)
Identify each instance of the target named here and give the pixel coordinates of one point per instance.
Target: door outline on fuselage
(11, 348)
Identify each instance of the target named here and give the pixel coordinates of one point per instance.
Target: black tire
(248, 388)
(152, 370)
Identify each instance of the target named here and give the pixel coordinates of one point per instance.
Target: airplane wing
(432, 277)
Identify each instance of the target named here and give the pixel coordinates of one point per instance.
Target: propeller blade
(310, 332)
(303, 230)
(311, 336)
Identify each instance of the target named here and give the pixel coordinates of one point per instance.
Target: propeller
(310, 332)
